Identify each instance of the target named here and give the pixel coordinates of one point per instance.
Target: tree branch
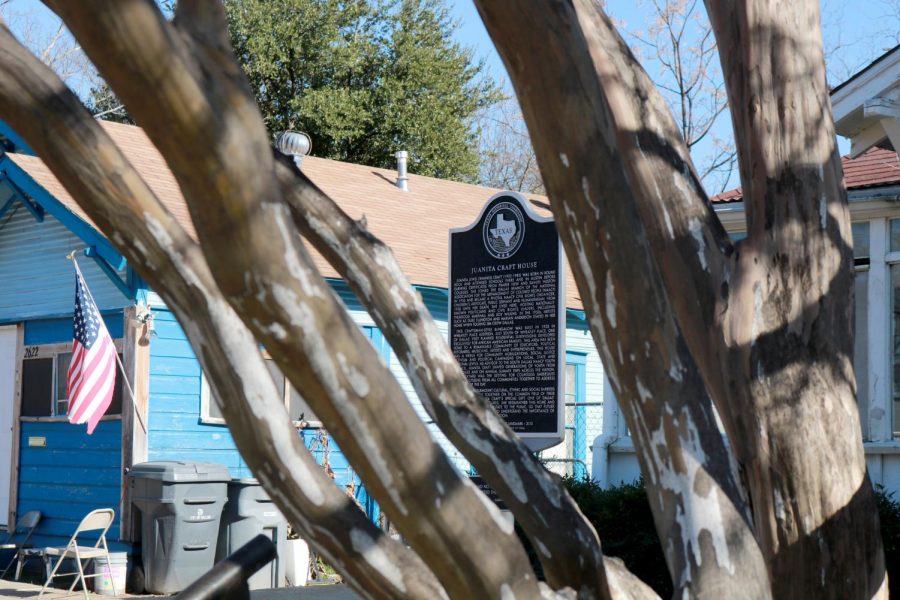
(789, 327)
(195, 104)
(613, 166)
(107, 187)
(568, 547)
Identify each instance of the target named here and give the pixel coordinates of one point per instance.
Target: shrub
(889, 516)
(621, 515)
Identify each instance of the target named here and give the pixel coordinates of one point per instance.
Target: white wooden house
(867, 111)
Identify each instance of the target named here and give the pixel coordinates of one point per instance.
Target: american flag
(92, 372)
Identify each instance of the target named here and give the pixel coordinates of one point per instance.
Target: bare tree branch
(507, 158)
(683, 45)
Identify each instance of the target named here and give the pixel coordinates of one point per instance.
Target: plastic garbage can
(180, 504)
(250, 512)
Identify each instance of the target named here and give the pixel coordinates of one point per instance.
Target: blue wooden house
(55, 467)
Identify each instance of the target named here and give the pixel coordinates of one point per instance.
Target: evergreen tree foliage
(365, 78)
(105, 105)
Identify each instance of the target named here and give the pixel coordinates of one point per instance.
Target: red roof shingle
(875, 167)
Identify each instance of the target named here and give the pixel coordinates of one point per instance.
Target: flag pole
(137, 412)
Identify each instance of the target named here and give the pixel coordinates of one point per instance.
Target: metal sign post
(507, 315)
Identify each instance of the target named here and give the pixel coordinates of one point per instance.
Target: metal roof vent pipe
(402, 178)
(295, 144)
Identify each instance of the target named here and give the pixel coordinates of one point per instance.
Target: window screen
(37, 387)
(44, 389)
(860, 233)
(861, 347)
(895, 346)
(63, 359)
(115, 407)
(299, 409)
(213, 411)
(62, 373)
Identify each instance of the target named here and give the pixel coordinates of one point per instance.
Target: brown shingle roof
(414, 224)
(875, 167)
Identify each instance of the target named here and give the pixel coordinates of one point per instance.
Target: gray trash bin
(250, 512)
(180, 504)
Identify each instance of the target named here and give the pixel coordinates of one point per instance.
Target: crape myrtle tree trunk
(684, 320)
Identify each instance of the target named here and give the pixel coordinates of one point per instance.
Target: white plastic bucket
(296, 562)
(114, 573)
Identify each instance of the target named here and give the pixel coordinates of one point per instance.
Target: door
(8, 337)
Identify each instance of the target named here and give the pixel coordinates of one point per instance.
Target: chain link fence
(573, 457)
(584, 422)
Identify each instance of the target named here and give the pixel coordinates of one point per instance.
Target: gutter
(610, 435)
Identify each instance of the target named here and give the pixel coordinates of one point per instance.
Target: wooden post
(17, 409)
(136, 359)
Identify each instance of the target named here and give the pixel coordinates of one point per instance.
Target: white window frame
(206, 398)
(880, 415)
(362, 320)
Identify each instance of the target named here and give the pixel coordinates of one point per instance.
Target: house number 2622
(31, 351)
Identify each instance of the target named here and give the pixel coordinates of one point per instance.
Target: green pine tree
(105, 105)
(365, 78)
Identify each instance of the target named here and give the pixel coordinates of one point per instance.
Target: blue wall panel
(38, 280)
(57, 331)
(72, 475)
(175, 430)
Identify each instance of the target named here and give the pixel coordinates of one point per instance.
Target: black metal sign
(507, 318)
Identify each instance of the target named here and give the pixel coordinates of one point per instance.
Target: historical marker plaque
(507, 318)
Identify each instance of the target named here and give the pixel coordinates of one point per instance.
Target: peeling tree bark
(789, 324)
(93, 169)
(567, 544)
(768, 323)
(683, 319)
(267, 276)
(700, 512)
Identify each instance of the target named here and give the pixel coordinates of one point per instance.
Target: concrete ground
(14, 589)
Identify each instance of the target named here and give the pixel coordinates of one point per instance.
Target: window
(44, 372)
(861, 320)
(894, 261)
(299, 411)
(576, 444)
(571, 456)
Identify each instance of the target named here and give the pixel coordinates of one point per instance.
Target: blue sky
(854, 32)
(854, 26)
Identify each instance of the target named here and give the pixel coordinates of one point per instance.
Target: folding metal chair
(97, 520)
(14, 541)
